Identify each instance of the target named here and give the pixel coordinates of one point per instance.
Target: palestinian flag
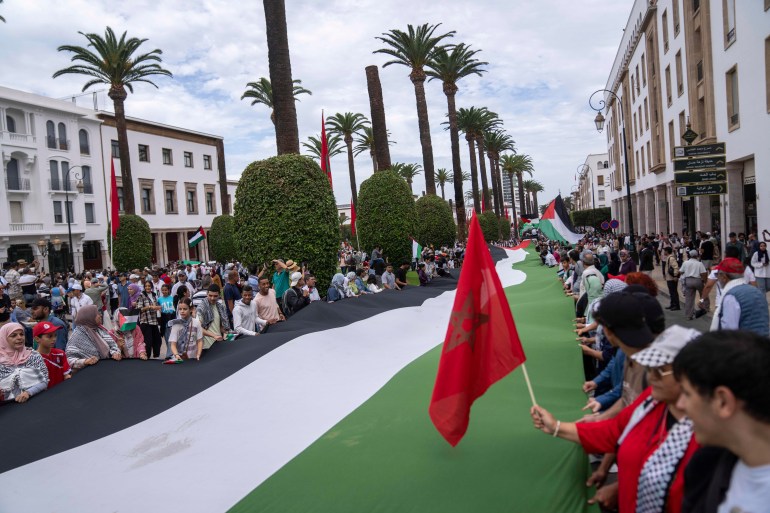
(128, 319)
(416, 250)
(556, 224)
(309, 417)
(197, 238)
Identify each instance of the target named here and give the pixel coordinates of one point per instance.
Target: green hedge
(505, 228)
(386, 215)
(284, 208)
(133, 244)
(591, 217)
(221, 237)
(489, 226)
(435, 224)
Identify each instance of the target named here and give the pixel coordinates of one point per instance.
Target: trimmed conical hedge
(221, 238)
(133, 244)
(435, 224)
(489, 226)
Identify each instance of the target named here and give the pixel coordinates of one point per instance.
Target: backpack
(285, 305)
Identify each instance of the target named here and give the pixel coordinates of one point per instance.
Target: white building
(703, 61)
(50, 147)
(507, 194)
(593, 182)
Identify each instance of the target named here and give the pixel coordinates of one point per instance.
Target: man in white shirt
(78, 301)
(388, 278)
(311, 289)
(692, 275)
(724, 382)
(246, 321)
(182, 282)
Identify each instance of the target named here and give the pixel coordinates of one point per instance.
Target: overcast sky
(545, 59)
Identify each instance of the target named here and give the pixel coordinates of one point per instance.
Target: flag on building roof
(416, 250)
(481, 345)
(197, 238)
(556, 224)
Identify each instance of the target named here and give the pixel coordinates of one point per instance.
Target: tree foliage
(386, 215)
(133, 244)
(505, 229)
(435, 224)
(285, 208)
(221, 238)
(591, 217)
(489, 226)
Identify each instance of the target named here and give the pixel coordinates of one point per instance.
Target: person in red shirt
(44, 333)
(652, 437)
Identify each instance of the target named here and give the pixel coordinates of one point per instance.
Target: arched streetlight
(68, 207)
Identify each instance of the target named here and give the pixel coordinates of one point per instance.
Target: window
(664, 24)
(679, 76)
(637, 79)
(668, 85)
(17, 211)
(188, 160)
(147, 196)
(83, 139)
(63, 142)
(646, 116)
(58, 216)
(65, 178)
(10, 123)
(644, 71)
(733, 117)
(644, 168)
(191, 198)
(144, 153)
(55, 182)
(649, 156)
(636, 134)
(637, 163)
(88, 186)
(767, 65)
(699, 70)
(695, 6)
(675, 15)
(633, 89)
(601, 195)
(70, 213)
(50, 134)
(168, 158)
(169, 197)
(211, 199)
(728, 21)
(115, 149)
(90, 217)
(671, 140)
(121, 203)
(600, 180)
(207, 162)
(606, 165)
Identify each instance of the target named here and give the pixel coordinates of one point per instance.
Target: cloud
(545, 58)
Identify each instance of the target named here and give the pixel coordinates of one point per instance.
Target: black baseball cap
(625, 315)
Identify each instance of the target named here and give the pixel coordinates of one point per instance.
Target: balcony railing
(26, 227)
(57, 144)
(23, 139)
(14, 183)
(65, 186)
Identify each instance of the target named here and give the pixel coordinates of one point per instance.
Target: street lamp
(43, 245)
(599, 121)
(67, 208)
(583, 170)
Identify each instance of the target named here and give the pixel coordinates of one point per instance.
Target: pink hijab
(8, 355)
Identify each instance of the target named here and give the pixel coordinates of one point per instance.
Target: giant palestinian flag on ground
(325, 412)
(556, 224)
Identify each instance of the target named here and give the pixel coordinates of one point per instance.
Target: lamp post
(599, 121)
(80, 187)
(583, 170)
(44, 246)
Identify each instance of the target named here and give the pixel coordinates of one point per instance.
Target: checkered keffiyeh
(652, 358)
(659, 469)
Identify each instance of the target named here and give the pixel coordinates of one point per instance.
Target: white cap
(295, 277)
(664, 349)
(77, 286)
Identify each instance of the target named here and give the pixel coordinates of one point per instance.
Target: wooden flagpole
(529, 384)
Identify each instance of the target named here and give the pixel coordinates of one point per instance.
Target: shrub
(591, 217)
(133, 244)
(489, 226)
(386, 215)
(284, 208)
(505, 228)
(435, 224)
(221, 237)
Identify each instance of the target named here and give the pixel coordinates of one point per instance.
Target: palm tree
(470, 121)
(532, 187)
(519, 164)
(413, 49)
(407, 172)
(449, 67)
(262, 92)
(568, 203)
(279, 59)
(489, 121)
(365, 142)
(113, 62)
(346, 125)
(442, 178)
(536, 187)
(333, 142)
(496, 143)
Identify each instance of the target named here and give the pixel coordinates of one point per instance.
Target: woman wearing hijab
(761, 265)
(337, 289)
(22, 371)
(90, 341)
(135, 294)
(350, 285)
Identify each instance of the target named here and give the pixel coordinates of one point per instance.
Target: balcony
(22, 140)
(65, 186)
(26, 227)
(57, 144)
(16, 184)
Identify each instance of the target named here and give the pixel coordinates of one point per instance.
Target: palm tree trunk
(513, 204)
(495, 203)
(474, 174)
(286, 131)
(222, 170)
(483, 172)
(418, 79)
(379, 128)
(374, 160)
(410, 186)
(442, 191)
(118, 97)
(534, 203)
(351, 169)
(522, 204)
(457, 174)
(499, 178)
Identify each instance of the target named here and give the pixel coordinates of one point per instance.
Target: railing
(85, 149)
(25, 139)
(16, 184)
(65, 186)
(26, 227)
(57, 144)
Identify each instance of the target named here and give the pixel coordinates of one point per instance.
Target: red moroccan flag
(352, 218)
(114, 202)
(325, 164)
(481, 346)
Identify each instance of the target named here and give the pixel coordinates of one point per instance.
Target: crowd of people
(54, 325)
(676, 420)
